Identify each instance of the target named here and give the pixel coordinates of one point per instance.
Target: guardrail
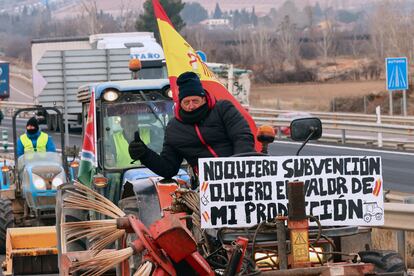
(9, 107)
(343, 126)
(15, 104)
(348, 125)
(399, 216)
(342, 116)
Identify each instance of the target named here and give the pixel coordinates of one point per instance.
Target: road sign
(202, 55)
(4, 80)
(397, 73)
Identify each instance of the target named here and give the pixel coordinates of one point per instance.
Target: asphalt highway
(398, 172)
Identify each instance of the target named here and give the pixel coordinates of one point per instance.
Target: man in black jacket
(201, 128)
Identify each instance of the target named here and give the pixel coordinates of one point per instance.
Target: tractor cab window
(122, 120)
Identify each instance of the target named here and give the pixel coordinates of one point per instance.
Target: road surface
(21, 89)
(398, 172)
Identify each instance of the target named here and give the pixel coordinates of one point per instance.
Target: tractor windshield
(122, 120)
(31, 158)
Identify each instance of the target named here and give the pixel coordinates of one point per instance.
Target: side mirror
(304, 129)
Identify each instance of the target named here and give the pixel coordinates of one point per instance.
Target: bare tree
(288, 42)
(127, 16)
(326, 38)
(391, 31)
(90, 7)
(197, 36)
(243, 49)
(260, 44)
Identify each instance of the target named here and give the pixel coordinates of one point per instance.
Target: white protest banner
(243, 191)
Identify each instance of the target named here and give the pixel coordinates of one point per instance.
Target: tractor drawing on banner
(372, 211)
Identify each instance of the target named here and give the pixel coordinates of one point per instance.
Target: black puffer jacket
(224, 129)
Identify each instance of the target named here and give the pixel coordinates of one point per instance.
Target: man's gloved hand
(137, 148)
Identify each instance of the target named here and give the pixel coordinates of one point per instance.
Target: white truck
(60, 66)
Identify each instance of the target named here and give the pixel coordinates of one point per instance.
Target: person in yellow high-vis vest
(34, 140)
(123, 137)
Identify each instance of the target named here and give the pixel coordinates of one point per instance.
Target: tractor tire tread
(384, 260)
(6, 221)
(394, 262)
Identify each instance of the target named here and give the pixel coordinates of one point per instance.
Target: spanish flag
(181, 57)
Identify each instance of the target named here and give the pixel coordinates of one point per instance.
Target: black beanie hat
(189, 84)
(33, 122)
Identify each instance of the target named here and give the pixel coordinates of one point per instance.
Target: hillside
(261, 6)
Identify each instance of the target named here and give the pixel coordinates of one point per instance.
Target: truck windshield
(122, 120)
(153, 73)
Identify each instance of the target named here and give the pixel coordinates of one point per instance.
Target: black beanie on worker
(189, 84)
(32, 122)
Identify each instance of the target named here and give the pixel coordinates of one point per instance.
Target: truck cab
(61, 65)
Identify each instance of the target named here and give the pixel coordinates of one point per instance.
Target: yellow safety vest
(123, 159)
(40, 144)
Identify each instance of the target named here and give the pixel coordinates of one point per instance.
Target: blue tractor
(122, 108)
(28, 187)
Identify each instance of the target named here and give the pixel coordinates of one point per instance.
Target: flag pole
(95, 138)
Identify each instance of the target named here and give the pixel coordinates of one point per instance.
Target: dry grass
(310, 96)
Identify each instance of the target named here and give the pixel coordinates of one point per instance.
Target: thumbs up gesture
(137, 148)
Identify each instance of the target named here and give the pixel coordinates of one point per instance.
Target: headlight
(58, 180)
(313, 255)
(168, 93)
(38, 182)
(110, 95)
(266, 260)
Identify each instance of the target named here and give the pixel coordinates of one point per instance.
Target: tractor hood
(33, 159)
(144, 173)
(139, 185)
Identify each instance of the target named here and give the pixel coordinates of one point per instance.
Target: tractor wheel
(367, 218)
(6, 221)
(68, 215)
(384, 260)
